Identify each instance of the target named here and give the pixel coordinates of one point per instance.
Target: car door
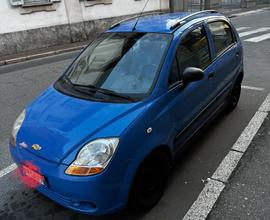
(187, 101)
(227, 60)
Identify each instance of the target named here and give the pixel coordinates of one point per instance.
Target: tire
(234, 96)
(150, 181)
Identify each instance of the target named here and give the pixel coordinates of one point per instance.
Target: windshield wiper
(75, 86)
(94, 89)
(67, 79)
(112, 93)
(105, 92)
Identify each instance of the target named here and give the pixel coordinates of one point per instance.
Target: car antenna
(134, 27)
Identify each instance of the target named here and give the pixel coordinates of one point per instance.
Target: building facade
(33, 24)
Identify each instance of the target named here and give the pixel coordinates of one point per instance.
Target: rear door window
(222, 36)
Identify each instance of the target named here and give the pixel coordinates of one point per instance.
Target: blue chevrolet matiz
(104, 135)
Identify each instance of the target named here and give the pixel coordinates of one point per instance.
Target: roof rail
(128, 19)
(183, 20)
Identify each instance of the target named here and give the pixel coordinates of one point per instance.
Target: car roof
(158, 23)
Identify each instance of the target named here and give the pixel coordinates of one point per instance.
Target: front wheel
(150, 181)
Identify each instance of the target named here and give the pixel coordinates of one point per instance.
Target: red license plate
(32, 174)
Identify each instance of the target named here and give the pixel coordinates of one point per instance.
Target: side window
(174, 74)
(194, 50)
(222, 35)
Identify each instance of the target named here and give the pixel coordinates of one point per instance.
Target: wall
(64, 22)
(11, 20)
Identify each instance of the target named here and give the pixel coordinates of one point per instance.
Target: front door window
(194, 50)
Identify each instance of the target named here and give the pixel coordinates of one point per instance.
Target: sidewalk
(247, 194)
(34, 54)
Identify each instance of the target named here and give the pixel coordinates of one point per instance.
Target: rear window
(222, 36)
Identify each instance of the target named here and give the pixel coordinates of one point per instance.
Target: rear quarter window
(222, 36)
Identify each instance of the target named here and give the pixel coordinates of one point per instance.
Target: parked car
(104, 135)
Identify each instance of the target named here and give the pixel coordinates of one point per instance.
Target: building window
(96, 2)
(29, 3)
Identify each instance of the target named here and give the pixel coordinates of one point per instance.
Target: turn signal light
(83, 171)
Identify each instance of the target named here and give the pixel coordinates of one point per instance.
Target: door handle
(237, 54)
(211, 76)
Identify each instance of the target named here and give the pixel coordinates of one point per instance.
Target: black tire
(234, 96)
(150, 181)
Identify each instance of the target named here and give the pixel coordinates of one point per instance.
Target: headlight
(16, 127)
(93, 157)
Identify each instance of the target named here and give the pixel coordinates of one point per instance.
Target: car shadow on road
(30, 204)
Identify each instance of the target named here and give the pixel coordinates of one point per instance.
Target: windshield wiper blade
(116, 94)
(67, 79)
(106, 92)
(75, 86)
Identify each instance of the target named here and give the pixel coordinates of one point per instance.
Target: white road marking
(226, 167)
(205, 202)
(252, 88)
(259, 38)
(265, 107)
(11, 167)
(250, 12)
(242, 28)
(249, 132)
(7, 170)
(246, 33)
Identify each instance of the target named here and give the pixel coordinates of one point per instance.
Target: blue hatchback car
(106, 133)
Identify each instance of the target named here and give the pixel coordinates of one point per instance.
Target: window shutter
(15, 2)
(27, 3)
(36, 2)
(97, 2)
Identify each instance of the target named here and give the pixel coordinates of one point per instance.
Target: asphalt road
(20, 83)
(247, 195)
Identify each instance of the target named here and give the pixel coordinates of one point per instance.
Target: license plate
(32, 174)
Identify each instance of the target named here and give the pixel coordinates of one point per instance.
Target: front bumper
(95, 195)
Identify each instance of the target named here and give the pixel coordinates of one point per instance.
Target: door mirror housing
(192, 74)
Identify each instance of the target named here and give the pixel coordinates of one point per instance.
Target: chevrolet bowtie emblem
(36, 147)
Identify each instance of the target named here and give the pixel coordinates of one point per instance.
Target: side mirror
(192, 74)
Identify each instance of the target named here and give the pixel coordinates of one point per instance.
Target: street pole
(207, 4)
(171, 2)
(201, 5)
(178, 5)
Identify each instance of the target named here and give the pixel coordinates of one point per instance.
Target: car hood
(60, 124)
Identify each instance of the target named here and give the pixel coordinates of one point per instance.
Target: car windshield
(124, 63)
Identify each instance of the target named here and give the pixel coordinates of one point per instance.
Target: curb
(40, 55)
(215, 185)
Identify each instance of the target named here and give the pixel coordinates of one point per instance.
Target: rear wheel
(234, 96)
(150, 181)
